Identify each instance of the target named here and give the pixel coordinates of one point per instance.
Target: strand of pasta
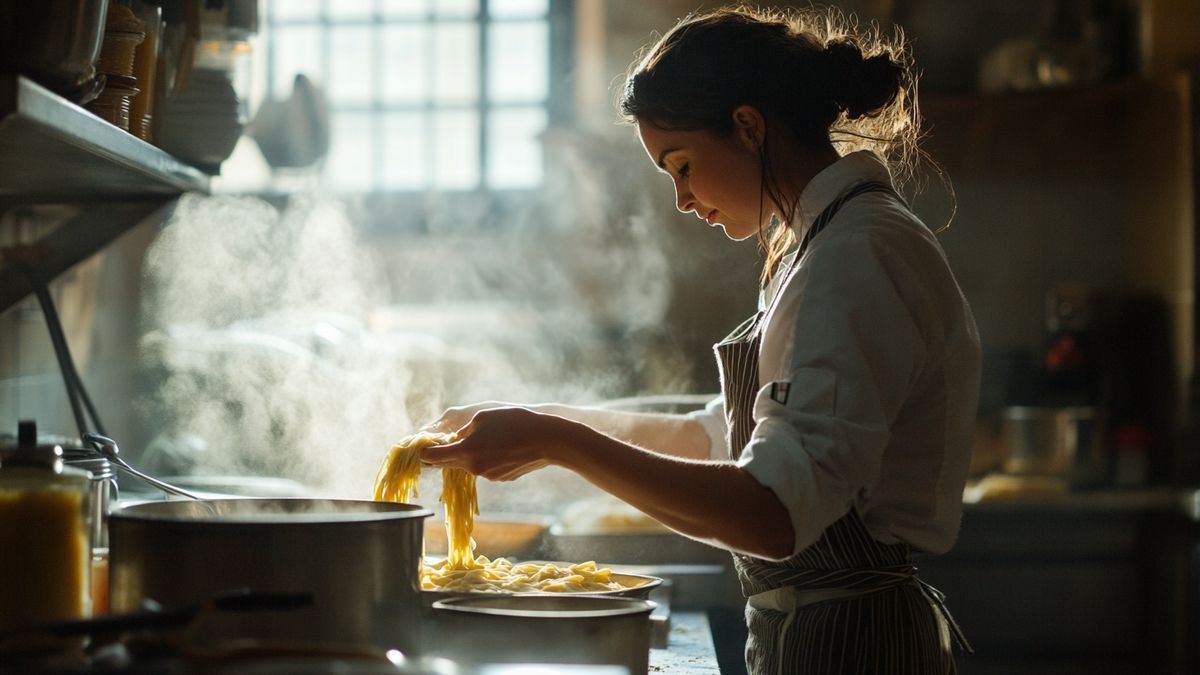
(401, 469)
(397, 481)
(462, 505)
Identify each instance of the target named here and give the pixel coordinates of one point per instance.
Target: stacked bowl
(201, 123)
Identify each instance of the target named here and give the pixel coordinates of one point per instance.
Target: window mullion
(429, 137)
(484, 111)
(378, 127)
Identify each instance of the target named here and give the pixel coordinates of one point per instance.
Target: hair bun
(861, 86)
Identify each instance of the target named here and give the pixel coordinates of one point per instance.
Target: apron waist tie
(789, 599)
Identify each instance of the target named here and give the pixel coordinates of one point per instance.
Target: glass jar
(104, 493)
(45, 520)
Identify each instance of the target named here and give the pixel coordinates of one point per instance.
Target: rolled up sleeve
(839, 355)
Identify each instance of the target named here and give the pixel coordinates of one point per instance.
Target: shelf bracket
(25, 267)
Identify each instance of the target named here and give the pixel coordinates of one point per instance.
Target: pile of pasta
(530, 577)
(461, 570)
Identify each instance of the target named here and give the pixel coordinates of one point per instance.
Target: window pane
(296, 50)
(457, 7)
(456, 55)
(351, 165)
(405, 67)
(518, 67)
(514, 148)
(350, 9)
(503, 9)
(456, 152)
(420, 60)
(403, 9)
(405, 151)
(350, 63)
(294, 10)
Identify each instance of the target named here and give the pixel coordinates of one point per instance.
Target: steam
(284, 344)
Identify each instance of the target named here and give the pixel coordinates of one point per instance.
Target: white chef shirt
(880, 351)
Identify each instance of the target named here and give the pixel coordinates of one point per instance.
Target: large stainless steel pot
(359, 559)
(545, 629)
(56, 42)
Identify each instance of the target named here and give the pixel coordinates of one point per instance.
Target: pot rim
(593, 606)
(166, 511)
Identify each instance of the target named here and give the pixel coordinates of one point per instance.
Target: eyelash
(685, 170)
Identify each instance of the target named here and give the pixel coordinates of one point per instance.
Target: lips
(711, 218)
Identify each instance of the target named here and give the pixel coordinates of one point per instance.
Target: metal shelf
(55, 152)
(52, 150)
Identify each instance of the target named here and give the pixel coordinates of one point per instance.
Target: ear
(749, 126)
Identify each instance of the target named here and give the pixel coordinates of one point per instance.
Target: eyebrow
(662, 156)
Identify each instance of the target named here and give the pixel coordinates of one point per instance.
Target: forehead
(658, 141)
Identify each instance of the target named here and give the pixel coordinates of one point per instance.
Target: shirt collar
(857, 167)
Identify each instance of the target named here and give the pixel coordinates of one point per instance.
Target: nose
(683, 197)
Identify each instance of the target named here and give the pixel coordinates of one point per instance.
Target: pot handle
(154, 617)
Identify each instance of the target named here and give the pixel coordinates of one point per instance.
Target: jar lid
(28, 453)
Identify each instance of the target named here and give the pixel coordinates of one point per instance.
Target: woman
(850, 397)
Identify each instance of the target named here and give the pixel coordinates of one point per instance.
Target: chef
(841, 442)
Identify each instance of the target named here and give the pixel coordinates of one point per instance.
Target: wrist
(572, 440)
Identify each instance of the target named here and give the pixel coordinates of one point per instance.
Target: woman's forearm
(705, 499)
(669, 434)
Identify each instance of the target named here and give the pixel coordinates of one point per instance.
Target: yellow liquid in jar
(46, 557)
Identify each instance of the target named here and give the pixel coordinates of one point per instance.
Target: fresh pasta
(462, 505)
(397, 478)
(397, 482)
(500, 575)
(461, 570)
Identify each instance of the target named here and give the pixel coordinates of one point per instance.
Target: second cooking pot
(559, 629)
(359, 559)
(1062, 442)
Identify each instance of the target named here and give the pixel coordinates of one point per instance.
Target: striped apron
(847, 603)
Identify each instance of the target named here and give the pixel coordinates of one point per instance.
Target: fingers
(442, 455)
(454, 417)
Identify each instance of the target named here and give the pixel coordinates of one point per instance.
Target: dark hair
(812, 70)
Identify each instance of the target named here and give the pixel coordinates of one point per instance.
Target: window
(447, 95)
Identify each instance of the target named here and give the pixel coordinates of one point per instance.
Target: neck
(807, 163)
(795, 171)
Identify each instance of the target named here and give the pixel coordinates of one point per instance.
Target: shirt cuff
(712, 420)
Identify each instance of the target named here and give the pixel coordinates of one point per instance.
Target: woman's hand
(453, 419)
(501, 443)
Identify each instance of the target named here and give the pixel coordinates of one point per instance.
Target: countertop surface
(1184, 501)
(689, 650)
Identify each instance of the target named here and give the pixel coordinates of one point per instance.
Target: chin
(737, 233)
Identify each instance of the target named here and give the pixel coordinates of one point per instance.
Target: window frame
(558, 105)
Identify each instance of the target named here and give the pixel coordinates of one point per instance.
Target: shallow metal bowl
(636, 586)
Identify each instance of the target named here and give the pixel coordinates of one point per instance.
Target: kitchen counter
(689, 650)
(1099, 579)
(1185, 501)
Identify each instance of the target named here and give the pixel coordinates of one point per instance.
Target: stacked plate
(201, 124)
